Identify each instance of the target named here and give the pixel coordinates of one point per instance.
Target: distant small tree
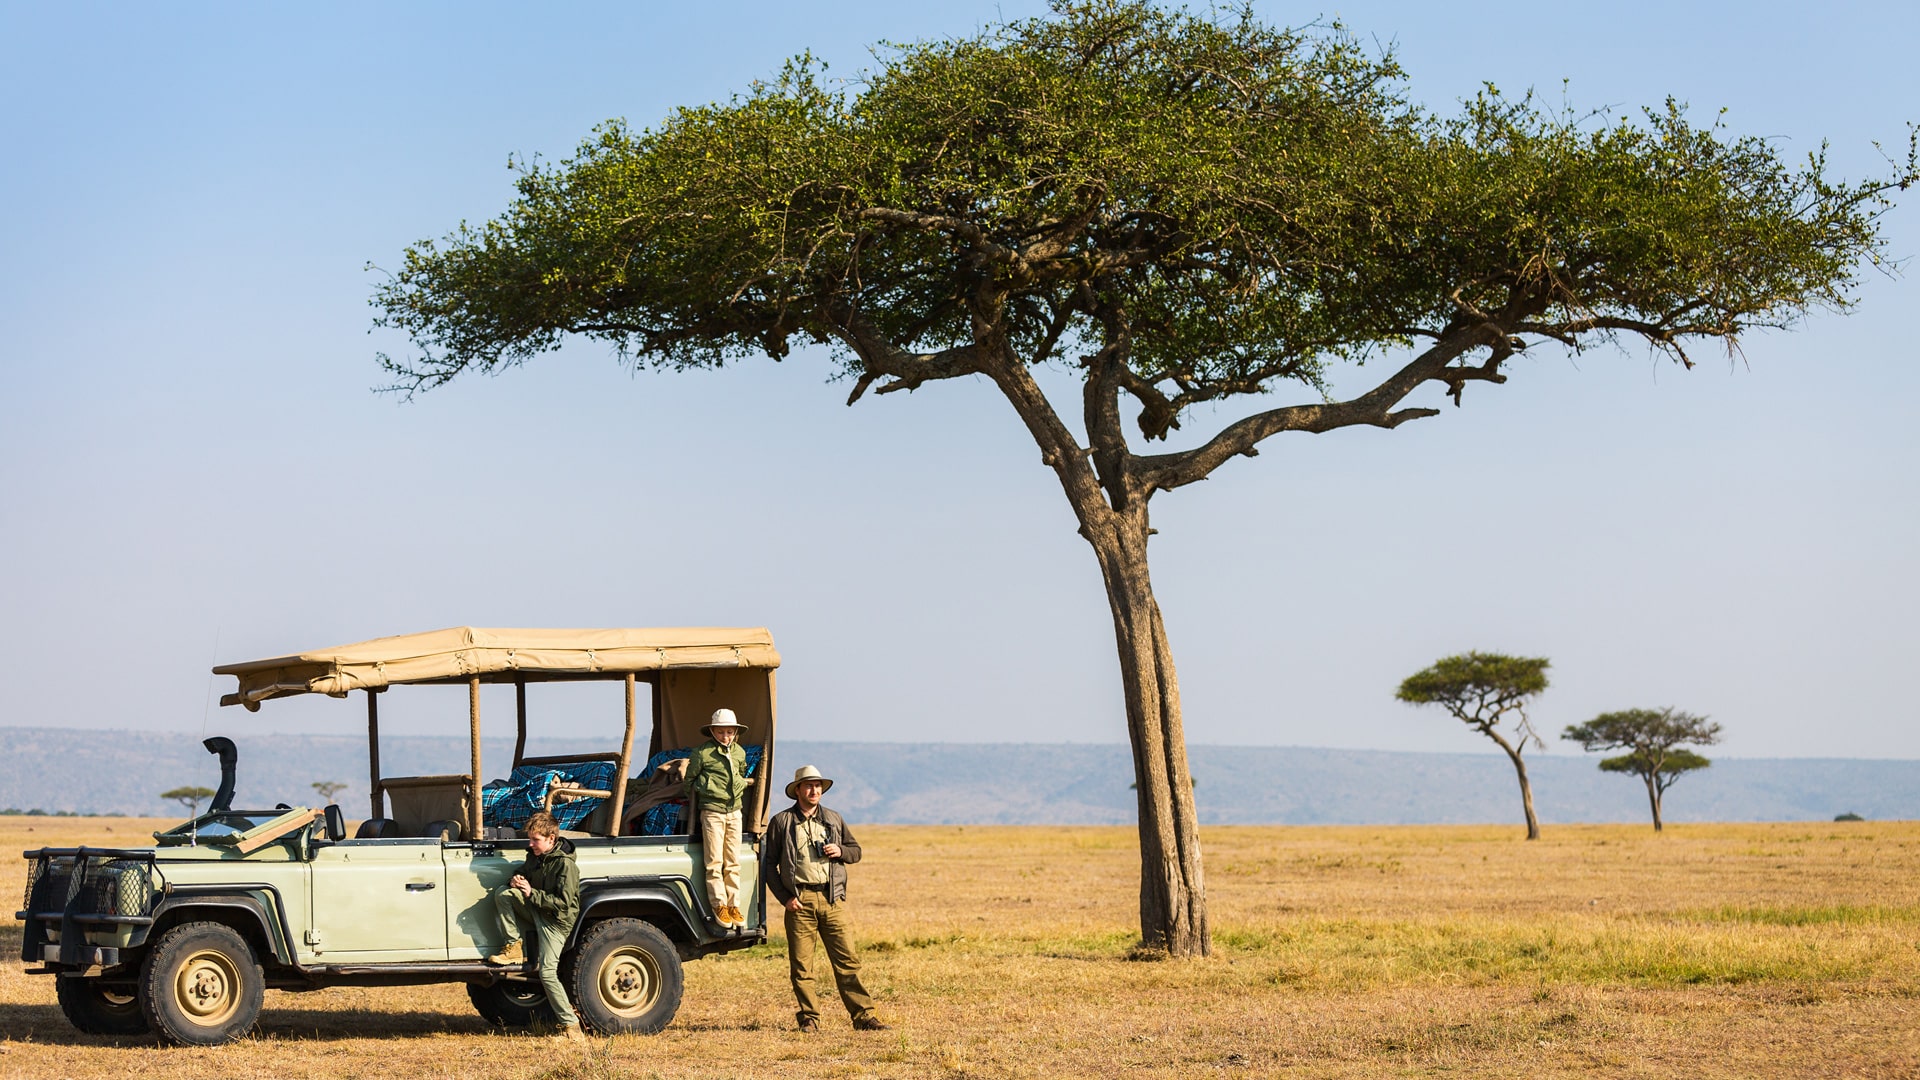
(1654, 741)
(1481, 690)
(329, 788)
(189, 797)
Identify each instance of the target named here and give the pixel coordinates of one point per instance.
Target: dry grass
(1735, 950)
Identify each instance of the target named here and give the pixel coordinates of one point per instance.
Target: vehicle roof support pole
(763, 791)
(620, 770)
(473, 785)
(520, 710)
(373, 749)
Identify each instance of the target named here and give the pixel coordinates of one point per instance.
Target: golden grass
(1711, 950)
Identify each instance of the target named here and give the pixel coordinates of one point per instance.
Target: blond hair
(542, 824)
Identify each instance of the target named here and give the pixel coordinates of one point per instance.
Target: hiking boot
(734, 918)
(512, 956)
(808, 1024)
(569, 1033)
(871, 1023)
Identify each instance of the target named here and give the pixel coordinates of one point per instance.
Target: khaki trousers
(720, 843)
(818, 919)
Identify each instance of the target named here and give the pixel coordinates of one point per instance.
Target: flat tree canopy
(1655, 741)
(1182, 209)
(189, 797)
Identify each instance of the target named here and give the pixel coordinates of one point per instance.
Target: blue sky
(193, 465)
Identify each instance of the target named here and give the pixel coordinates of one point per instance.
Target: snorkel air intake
(223, 746)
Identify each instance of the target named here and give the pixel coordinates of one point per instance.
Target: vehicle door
(380, 900)
(474, 872)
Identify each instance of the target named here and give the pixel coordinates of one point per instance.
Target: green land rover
(182, 939)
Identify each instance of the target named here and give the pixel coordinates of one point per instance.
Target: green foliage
(1480, 689)
(189, 797)
(1671, 764)
(1652, 737)
(1849, 816)
(1222, 205)
(1476, 675)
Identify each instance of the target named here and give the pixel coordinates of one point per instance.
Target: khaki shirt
(810, 868)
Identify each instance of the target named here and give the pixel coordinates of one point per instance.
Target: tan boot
(569, 1033)
(513, 955)
(733, 917)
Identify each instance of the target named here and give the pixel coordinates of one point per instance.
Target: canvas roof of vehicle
(463, 653)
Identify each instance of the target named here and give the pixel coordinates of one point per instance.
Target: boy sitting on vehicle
(716, 788)
(541, 901)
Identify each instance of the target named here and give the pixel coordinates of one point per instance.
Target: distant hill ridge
(86, 771)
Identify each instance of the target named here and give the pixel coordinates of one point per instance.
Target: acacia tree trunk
(1653, 798)
(1526, 788)
(1173, 907)
(1112, 508)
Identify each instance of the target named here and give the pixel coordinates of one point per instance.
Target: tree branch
(880, 359)
(1374, 408)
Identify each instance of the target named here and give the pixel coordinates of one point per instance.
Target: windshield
(219, 827)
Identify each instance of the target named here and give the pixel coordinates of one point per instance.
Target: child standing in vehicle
(541, 901)
(717, 783)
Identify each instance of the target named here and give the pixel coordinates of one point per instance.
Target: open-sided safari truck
(183, 938)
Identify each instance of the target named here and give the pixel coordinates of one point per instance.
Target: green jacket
(555, 878)
(717, 777)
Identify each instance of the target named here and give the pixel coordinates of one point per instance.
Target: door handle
(419, 886)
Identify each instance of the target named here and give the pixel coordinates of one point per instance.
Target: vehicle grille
(34, 874)
(89, 886)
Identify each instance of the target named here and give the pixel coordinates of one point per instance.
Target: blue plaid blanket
(512, 802)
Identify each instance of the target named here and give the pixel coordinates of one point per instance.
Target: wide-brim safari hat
(722, 718)
(807, 772)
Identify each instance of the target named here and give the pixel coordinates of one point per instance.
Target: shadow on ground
(44, 1024)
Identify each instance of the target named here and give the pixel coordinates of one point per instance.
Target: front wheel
(201, 985)
(99, 1009)
(626, 978)
(514, 1004)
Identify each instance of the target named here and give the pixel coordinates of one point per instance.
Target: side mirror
(336, 823)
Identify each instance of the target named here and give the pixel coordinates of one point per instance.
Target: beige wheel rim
(118, 1000)
(629, 981)
(207, 988)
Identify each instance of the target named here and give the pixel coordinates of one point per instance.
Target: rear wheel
(515, 1004)
(201, 985)
(626, 978)
(99, 1009)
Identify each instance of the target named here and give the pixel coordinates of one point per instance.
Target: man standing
(803, 860)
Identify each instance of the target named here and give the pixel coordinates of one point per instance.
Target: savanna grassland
(1710, 951)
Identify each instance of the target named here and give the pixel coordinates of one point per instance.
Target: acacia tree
(327, 789)
(1182, 211)
(189, 797)
(1655, 741)
(1482, 690)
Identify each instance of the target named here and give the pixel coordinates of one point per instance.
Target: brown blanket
(667, 784)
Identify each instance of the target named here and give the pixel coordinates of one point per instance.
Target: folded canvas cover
(466, 652)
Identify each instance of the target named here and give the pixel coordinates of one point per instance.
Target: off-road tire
(98, 1009)
(201, 985)
(626, 978)
(511, 1003)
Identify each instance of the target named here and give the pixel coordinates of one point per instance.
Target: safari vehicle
(182, 939)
